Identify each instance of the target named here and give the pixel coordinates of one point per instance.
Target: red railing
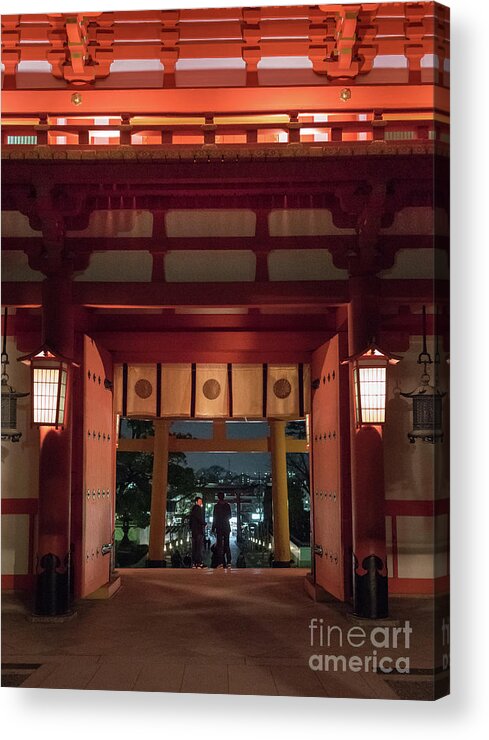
(215, 130)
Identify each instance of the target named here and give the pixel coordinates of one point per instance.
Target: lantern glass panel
(370, 393)
(62, 396)
(357, 394)
(45, 394)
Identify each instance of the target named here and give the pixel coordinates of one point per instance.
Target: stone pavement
(210, 631)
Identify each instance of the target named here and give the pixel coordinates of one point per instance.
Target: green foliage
(299, 518)
(181, 479)
(133, 502)
(298, 465)
(216, 473)
(134, 481)
(140, 428)
(296, 429)
(298, 484)
(298, 488)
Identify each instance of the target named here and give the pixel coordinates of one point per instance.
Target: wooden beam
(415, 291)
(261, 444)
(213, 346)
(137, 445)
(227, 100)
(336, 242)
(233, 181)
(272, 294)
(296, 445)
(201, 341)
(91, 321)
(325, 321)
(172, 295)
(216, 445)
(25, 295)
(169, 295)
(215, 355)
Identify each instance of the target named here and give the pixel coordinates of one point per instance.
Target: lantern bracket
(424, 357)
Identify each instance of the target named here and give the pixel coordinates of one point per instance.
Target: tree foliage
(299, 517)
(298, 485)
(134, 482)
(133, 490)
(140, 428)
(181, 479)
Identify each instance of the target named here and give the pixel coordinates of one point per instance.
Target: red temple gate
(98, 469)
(330, 487)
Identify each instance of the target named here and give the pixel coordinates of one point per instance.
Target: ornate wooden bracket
(10, 49)
(170, 37)
(251, 37)
(72, 55)
(40, 204)
(335, 49)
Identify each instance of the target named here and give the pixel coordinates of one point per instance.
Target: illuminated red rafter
(339, 41)
(227, 100)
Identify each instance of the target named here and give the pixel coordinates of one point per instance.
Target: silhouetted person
(241, 562)
(222, 527)
(215, 562)
(187, 561)
(176, 559)
(214, 556)
(197, 527)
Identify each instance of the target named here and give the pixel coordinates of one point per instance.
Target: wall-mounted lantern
(10, 432)
(50, 373)
(370, 383)
(427, 400)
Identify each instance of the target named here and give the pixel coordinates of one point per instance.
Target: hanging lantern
(49, 382)
(10, 432)
(9, 410)
(427, 400)
(370, 383)
(427, 412)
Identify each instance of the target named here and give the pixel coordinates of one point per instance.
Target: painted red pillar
(370, 589)
(53, 592)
